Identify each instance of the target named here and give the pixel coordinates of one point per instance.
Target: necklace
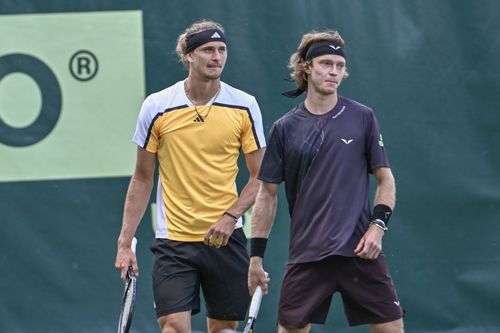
(199, 118)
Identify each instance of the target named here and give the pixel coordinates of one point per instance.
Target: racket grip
(256, 299)
(134, 244)
(255, 304)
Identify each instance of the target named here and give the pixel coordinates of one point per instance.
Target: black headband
(203, 37)
(324, 47)
(315, 50)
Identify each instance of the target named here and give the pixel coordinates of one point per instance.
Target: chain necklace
(199, 118)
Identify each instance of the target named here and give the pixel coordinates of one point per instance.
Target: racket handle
(256, 299)
(255, 305)
(130, 274)
(134, 244)
(254, 308)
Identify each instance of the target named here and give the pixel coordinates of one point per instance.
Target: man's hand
(257, 276)
(125, 258)
(218, 234)
(370, 245)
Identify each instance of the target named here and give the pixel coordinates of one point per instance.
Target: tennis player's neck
(320, 104)
(200, 92)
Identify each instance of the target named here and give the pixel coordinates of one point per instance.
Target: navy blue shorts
(181, 268)
(366, 288)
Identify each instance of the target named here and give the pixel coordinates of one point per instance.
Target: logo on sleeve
(381, 141)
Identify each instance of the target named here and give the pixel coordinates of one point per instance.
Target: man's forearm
(385, 195)
(246, 198)
(263, 213)
(386, 189)
(136, 203)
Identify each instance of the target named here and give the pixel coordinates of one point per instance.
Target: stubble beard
(214, 76)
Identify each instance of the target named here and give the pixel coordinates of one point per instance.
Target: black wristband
(258, 247)
(231, 216)
(382, 212)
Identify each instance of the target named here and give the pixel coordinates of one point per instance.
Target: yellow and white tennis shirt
(197, 159)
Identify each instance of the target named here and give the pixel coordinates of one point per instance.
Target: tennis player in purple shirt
(324, 151)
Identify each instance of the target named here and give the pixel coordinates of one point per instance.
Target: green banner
(92, 80)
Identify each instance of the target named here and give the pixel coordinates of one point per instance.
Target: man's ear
(189, 57)
(307, 67)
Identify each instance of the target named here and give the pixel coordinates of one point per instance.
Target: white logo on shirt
(347, 141)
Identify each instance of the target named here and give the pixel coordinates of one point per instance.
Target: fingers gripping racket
(129, 295)
(254, 310)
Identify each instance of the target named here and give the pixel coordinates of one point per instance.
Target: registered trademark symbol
(83, 65)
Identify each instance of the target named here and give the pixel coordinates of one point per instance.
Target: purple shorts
(366, 288)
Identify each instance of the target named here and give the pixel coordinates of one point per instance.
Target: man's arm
(218, 234)
(370, 245)
(386, 188)
(136, 202)
(262, 221)
(249, 192)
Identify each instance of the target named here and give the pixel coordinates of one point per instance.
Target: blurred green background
(429, 69)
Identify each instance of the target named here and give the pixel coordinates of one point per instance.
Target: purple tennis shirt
(325, 163)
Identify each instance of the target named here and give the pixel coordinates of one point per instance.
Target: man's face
(208, 60)
(326, 73)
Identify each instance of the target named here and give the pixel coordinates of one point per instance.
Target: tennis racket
(254, 310)
(129, 295)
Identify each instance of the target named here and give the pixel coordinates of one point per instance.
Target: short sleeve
(252, 137)
(146, 134)
(271, 169)
(376, 154)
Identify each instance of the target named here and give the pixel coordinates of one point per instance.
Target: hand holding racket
(129, 296)
(254, 309)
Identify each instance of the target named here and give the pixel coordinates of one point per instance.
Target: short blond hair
(194, 28)
(298, 64)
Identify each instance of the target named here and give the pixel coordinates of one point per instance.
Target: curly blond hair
(194, 28)
(298, 64)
